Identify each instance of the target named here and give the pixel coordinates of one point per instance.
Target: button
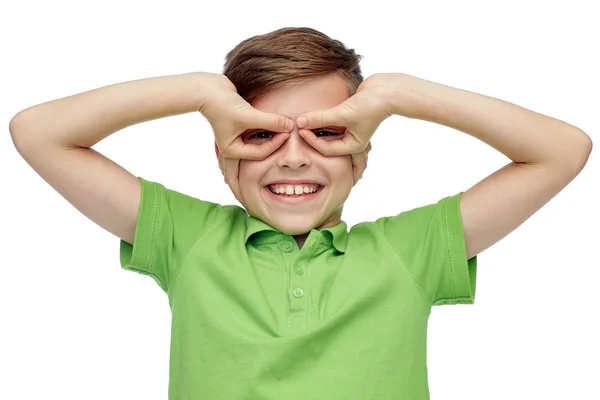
(288, 246)
(298, 292)
(298, 270)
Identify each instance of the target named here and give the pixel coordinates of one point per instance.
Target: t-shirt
(255, 317)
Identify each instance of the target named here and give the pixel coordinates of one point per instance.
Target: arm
(546, 153)
(55, 138)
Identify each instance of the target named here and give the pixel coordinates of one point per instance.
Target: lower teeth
(291, 195)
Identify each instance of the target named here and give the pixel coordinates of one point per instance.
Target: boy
(278, 299)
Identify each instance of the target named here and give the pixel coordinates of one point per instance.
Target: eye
(265, 135)
(258, 137)
(327, 134)
(261, 135)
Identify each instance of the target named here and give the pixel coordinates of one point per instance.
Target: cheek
(250, 173)
(340, 169)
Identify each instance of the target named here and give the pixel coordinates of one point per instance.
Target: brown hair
(287, 56)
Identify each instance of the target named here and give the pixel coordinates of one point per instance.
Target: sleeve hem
(140, 256)
(463, 272)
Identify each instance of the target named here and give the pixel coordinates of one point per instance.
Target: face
(296, 167)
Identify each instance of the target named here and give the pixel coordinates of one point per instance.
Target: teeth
(293, 189)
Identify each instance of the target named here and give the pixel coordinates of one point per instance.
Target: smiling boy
(279, 189)
(278, 299)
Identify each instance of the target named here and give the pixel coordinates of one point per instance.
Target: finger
(368, 149)
(359, 164)
(256, 119)
(329, 147)
(257, 152)
(230, 169)
(336, 116)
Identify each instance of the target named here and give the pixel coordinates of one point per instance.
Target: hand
(361, 114)
(230, 116)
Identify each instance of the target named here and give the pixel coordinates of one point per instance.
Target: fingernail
(289, 125)
(302, 122)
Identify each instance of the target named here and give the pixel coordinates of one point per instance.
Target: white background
(77, 326)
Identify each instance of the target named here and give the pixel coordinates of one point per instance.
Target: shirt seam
(404, 264)
(152, 254)
(192, 245)
(448, 253)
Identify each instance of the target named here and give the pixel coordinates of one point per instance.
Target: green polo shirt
(254, 317)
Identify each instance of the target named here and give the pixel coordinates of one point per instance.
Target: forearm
(86, 118)
(522, 135)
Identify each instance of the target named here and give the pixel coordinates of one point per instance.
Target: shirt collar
(338, 234)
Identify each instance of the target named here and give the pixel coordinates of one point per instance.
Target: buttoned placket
(296, 263)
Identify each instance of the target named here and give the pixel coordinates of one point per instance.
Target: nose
(294, 153)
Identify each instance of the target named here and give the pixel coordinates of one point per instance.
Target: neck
(300, 239)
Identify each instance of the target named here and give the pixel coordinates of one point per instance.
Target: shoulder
(413, 228)
(185, 212)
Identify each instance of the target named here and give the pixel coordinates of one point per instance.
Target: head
(292, 71)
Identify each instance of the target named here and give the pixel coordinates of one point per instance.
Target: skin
(296, 159)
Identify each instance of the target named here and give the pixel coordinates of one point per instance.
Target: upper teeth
(293, 189)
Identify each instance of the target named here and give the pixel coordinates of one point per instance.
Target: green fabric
(254, 317)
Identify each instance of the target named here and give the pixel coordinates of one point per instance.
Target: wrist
(207, 84)
(409, 95)
(199, 88)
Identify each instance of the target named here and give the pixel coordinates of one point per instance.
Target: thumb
(318, 119)
(257, 119)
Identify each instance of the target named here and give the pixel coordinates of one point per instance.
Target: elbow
(580, 153)
(23, 130)
(16, 127)
(586, 139)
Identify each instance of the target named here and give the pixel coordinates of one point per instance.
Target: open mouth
(294, 193)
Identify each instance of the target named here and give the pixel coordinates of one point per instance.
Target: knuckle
(347, 109)
(313, 121)
(280, 122)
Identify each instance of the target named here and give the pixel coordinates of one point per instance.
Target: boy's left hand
(360, 114)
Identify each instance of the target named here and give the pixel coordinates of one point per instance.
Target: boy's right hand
(230, 116)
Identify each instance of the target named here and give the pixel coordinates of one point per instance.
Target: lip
(294, 200)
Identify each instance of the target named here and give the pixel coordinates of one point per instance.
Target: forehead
(319, 93)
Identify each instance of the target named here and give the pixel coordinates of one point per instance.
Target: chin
(293, 227)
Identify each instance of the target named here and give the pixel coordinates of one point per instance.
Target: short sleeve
(430, 242)
(168, 223)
